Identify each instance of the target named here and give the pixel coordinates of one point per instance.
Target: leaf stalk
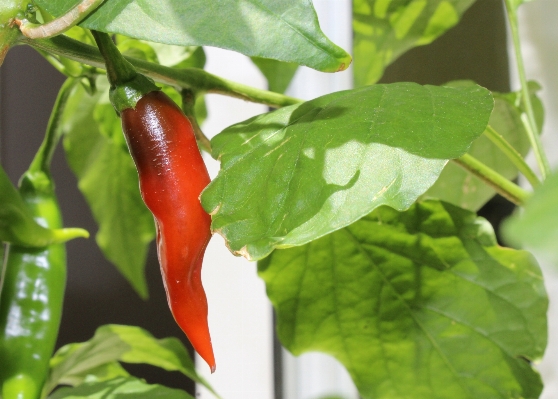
(187, 78)
(503, 186)
(532, 128)
(512, 154)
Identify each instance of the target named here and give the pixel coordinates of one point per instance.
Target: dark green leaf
(278, 74)
(120, 388)
(461, 188)
(535, 228)
(97, 153)
(296, 174)
(385, 29)
(286, 30)
(75, 362)
(420, 304)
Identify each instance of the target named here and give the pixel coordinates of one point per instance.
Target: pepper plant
(359, 205)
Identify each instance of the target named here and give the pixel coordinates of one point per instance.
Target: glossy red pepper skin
(172, 175)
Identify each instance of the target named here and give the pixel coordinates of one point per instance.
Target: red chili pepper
(172, 175)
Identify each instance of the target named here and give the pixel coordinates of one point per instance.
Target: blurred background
(251, 363)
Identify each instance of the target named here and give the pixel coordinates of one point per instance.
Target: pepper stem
(119, 71)
(127, 86)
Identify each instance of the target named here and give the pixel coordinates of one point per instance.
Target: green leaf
(103, 372)
(286, 30)
(278, 74)
(420, 304)
(120, 388)
(461, 188)
(97, 153)
(298, 173)
(385, 29)
(535, 228)
(8, 33)
(73, 363)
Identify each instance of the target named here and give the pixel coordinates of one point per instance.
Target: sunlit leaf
(286, 30)
(419, 304)
(298, 173)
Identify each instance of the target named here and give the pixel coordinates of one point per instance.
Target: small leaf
(385, 29)
(286, 30)
(75, 362)
(164, 54)
(278, 74)
(120, 388)
(104, 372)
(461, 188)
(535, 227)
(97, 153)
(419, 304)
(298, 173)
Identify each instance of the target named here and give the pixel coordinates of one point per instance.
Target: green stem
(41, 162)
(533, 132)
(512, 155)
(119, 70)
(188, 78)
(503, 186)
(61, 24)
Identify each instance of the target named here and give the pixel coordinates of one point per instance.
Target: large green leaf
(286, 30)
(421, 304)
(536, 227)
(461, 188)
(298, 173)
(74, 363)
(385, 29)
(120, 388)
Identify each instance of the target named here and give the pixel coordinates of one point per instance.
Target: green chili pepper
(31, 299)
(32, 293)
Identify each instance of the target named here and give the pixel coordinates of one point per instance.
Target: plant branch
(61, 24)
(187, 78)
(503, 186)
(41, 162)
(532, 130)
(512, 154)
